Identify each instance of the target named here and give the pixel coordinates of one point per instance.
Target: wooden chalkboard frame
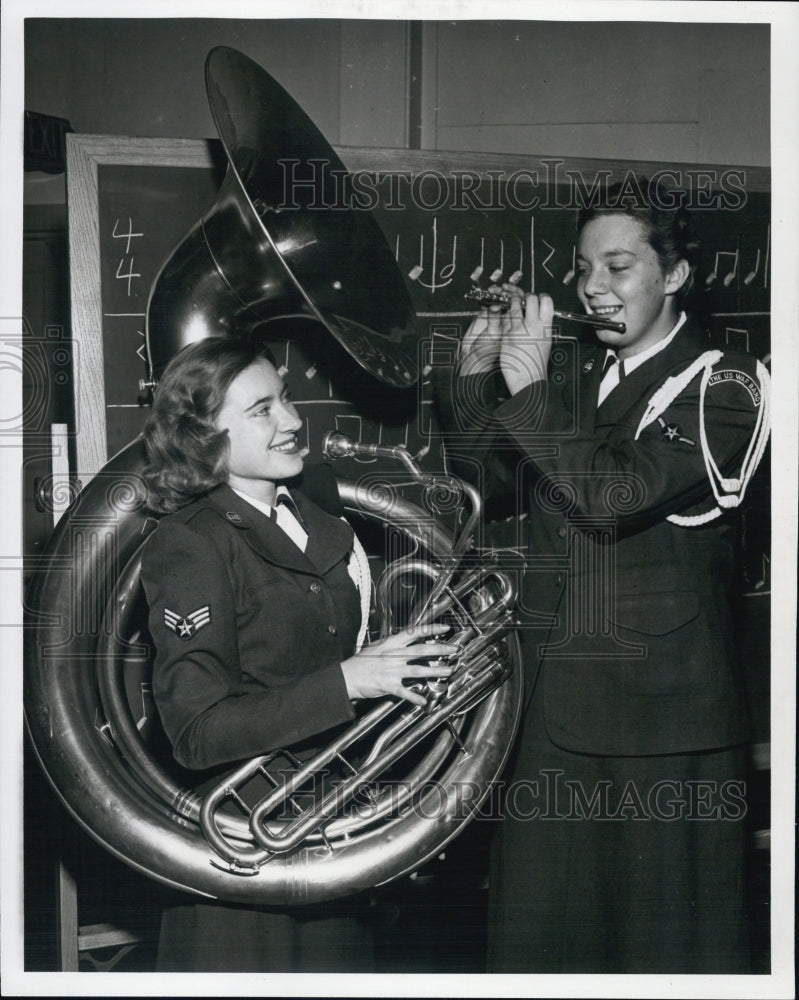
(86, 153)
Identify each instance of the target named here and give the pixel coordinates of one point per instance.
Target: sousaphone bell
(280, 240)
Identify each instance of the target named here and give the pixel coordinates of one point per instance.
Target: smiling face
(620, 276)
(262, 426)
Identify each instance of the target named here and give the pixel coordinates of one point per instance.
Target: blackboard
(131, 200)
(450, 220)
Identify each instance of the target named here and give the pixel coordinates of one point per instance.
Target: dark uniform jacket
(250, 632)
(626, 614)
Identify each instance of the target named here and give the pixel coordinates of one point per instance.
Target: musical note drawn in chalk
(517, 275)
(417, 269)
(497, 273)
(549, 258)
(728, 278)
(737, 338)
(442, 278)
(283, 370)
(478, 271)
(753, 273)
(567, 277)
(448, 270)
(351, 424)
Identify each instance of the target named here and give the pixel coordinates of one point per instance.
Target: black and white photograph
(399, 439)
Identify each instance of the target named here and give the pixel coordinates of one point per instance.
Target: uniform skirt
(619, 864)
(222, 937)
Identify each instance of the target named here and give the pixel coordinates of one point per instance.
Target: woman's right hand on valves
(380, 668)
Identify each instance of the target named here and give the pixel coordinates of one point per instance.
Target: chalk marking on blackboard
(136, 315)
(432, 286)
(731, 329)
(140, 352)
(449, 269)
(497, 273)
(446, 315)
(130, 274)
(722, 314)
(478, 271)
(715, 272)
(318, 402)
(417, 269)
(518, 274)
(549, 258)
(129, 235)
(123, 406)
(753, 273)
(443, 334)
(532, 255)
(567, 277)
(768, 248)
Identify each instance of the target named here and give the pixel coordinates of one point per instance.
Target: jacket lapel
(329, 539)
(625, 405)
(590, 360)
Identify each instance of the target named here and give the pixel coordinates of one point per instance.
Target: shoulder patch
(735, 375)
(187, 626)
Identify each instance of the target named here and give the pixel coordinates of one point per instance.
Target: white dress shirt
(283, 514)
(620, 369)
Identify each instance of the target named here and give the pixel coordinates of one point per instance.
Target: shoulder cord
(728, 492)
(361, 576)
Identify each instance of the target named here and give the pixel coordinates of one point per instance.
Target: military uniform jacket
(250, 632)
(626, 615)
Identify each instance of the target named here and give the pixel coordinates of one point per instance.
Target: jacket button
(331, 629)
(315, 587)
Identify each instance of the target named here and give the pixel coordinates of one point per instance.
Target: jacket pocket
(655, 614)
(269, 581)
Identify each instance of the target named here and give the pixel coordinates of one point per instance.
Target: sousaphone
(263, 253)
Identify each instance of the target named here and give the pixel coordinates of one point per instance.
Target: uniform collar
(630, 364)
(259, 504)
(686, 344)
(329, 538)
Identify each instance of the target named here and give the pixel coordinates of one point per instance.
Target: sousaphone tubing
(261, 254)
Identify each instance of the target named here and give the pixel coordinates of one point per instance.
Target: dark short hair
(186, 455)
(667, 225)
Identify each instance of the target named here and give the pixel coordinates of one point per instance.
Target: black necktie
(286, 501)
(610, 361)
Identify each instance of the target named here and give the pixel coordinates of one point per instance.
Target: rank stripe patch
(186, 626)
